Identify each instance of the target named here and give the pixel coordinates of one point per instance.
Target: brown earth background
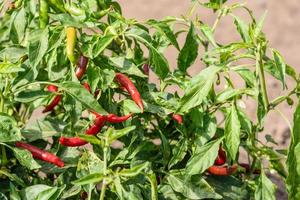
(282, 29)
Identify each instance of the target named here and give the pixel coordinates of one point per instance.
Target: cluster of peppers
(219, 169)
(100, 120)
(125, 83)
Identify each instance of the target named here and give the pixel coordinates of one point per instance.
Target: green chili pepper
(73, 9)
(44, 9)
(57, 5)
(71, 41)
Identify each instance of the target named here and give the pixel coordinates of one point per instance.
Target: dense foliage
(108, 133)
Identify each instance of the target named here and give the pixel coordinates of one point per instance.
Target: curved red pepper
(87, 86)
(177, 118)
(72, 141)
(146, 69)
(248, 168)
(222, 171)
(55, 101)
(221, 159)
(97, 126)
(112, 118)
(81, 66)
(41, 154)
(125, 82)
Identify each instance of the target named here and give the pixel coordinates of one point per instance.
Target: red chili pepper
(221, 159)
(222, 171)
(55, 101)
(41, 154)
(146, 69)
(87, 86)
(112, 118)
(125, 82)
(248, 168)
(177, 118)
(81, 66)
(52, 88)
(98, 124)
(72, 141)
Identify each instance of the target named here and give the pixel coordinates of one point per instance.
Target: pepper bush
(122, 136)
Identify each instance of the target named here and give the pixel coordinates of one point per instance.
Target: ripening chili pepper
(221, 159)
(87, 86)
(41, 154)
(177, 118)
(222, 170)
(72, 141)
(71, 41)
(112, 118)
(43, 13)
(55, 101)
(125, 82)
(248, 168)
(146, 69)
(81, 66)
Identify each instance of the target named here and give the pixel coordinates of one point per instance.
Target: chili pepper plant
(80, 118)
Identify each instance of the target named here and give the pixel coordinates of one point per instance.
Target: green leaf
(9, 68)
(259, 25)
(116, 134)
(198, 89)
(78, 92)
(232, 132)
(189, 52)
(89, 179)
(12, 53)
(203, 158)
(293, 159)
(242, 28)
(136, 170)
(178, 152)
(197, 188)
(247, 75)
(89, 164)
(102, 43)
(18, 26)
(13, 177)
(126, 66)
(157, 60)
(26, 159)
(32, 192)
(265, 189)
(9, 130)
(30, 95)
(164, 28)
(43, 129)
(230, 187)
(208, 33)
(280, 65)
(68, 20)
(38, 45)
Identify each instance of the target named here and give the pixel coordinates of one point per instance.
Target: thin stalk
(3, 156)
(260, 69)
(152, 179)
(217, 21)
(104, 185)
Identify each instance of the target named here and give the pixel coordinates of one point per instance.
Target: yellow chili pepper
(71, 41)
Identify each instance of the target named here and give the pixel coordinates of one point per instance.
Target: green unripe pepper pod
(43, 15)
(74, 10)
(71, 41)
(57, 5)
